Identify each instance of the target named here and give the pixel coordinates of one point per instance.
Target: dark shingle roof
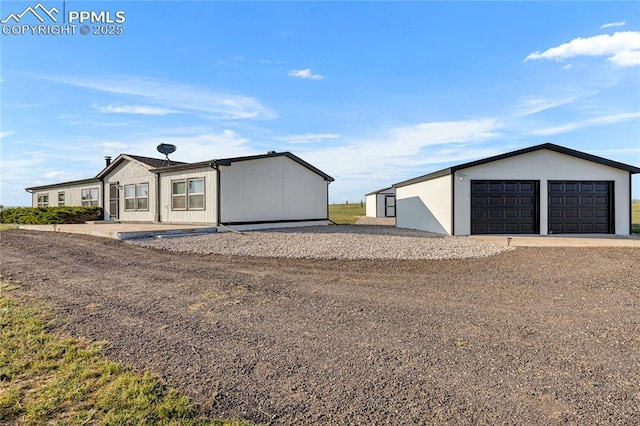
(154, 162)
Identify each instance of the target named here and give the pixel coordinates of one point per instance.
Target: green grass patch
(346, 213)
(45, 379)
(635, 217)
(8, 226)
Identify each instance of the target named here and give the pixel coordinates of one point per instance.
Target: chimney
(107, 160)
(270, 152)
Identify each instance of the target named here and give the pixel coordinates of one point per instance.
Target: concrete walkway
(123, 231)
(589, 240)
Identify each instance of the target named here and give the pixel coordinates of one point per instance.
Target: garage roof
(550, 146)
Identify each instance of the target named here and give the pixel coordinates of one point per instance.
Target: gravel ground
(331, 242)
(533, 336)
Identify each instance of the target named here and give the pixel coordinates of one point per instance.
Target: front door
(114, 201)
(390, 206)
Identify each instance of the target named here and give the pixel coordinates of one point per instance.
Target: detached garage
(544, 189)
(381, 203)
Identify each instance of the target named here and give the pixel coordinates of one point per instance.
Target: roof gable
(148, 162)
(548, 146)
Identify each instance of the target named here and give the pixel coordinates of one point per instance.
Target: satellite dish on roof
(166, 149)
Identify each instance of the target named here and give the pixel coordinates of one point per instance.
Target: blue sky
(372, 93)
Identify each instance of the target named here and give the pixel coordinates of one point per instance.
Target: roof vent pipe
(107, 160)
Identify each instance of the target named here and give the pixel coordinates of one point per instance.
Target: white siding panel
(425, 205)
(72, 193)
(271, 189)
(131, 173)
(542, 165)
(371, 205)
(208, 215)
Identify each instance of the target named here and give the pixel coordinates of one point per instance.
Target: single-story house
(543, 189)
(251, 192)
(381, 203)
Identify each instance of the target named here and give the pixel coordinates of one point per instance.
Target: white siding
(425, 205)
(131, 173)
(542, 165)
(208, 215)
(371, 205)
(271, 189)
(72, 193)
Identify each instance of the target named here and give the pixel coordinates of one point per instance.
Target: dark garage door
(583, 207)
(504, 207)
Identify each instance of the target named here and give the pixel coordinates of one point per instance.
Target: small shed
(544, 189)
(381, 203)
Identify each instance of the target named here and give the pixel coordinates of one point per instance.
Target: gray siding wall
(128, 173)
(208, 215)
(271, 189)
(72, 194)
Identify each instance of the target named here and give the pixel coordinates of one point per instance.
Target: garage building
(381, 203)
(544, 189)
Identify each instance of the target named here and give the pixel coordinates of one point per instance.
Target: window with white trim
(43, 200)
(136, 197)
(89, 197)
(61, 199)
(187, 194)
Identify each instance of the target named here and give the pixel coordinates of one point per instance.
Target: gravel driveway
(332, 242)
(533, 336)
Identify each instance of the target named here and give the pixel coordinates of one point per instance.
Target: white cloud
(567, 67)
(5, 134)
(307, 138)
(305, 74)
(134, 109)
(174, 96)
(621, 48)
(110, 146)
(596, 121)
(613, 24)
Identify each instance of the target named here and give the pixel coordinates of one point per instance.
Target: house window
(136, 197)
(60, 199)
(89, 197)
(43, 200)
(187, 194)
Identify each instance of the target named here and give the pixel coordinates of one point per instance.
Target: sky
(371, 93)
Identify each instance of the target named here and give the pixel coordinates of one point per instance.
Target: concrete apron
(124, 231)
(585, 240)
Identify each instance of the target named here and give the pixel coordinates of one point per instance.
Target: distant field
(345, 213)
(635, 217)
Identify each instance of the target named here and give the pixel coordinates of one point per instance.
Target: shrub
(50, 215)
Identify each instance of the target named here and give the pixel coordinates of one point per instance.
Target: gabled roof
(152, 163)
(229, 161)
(549, 146)
(379, 190)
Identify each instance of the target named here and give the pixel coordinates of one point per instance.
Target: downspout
(328, 183)
(156, 179)
(215, 166)
(453, 203)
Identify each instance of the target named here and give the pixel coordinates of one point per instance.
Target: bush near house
(50, 215)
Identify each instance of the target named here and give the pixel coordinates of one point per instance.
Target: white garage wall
(371, 205)
(271, 189)
(425, 205)
(542, 165)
